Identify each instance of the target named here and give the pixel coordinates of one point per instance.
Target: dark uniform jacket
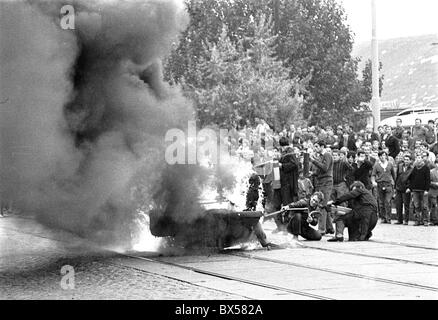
(402, 177)
(359, 198)
(323, 170)
(419, 179)
(289, 171)
(305, 204)
(393, 145)
(362, 174)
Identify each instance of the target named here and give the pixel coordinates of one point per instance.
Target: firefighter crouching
(300, 215)
(362, 219)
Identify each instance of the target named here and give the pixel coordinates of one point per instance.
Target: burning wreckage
(217, 227)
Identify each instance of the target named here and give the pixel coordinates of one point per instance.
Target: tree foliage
(310, 38)
(367, 92)
(243, 80)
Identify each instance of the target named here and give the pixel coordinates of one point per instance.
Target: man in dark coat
(362, 219)
(370, 135)
(322, 170)
(349, 139)
(418, 183)
(363, 171)
(403, 199)
(288, 191)
(299, 221)
(392, 143)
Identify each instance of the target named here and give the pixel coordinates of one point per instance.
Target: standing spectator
(351, 158)
(430, 133)
(381, 132)
(367, 148)
(288, 191)
(428, 157)
(330, 140)
(323, 164)
(402, 153)
(341, 167)
(418, 131)
(392, 143)
(339, 143)
(370, 135)
(418, 184)
(429, 162)
(362, 173)
(312, 133)
(375, 146)
(349, 138)
(306, 136)
(321, 134)
(390, 159)
(398, 130)
(433, 194)
(434, 149)
(359, 142)
(291, 133)
(404, 147)
(296, 137)
(411, 142)
(402, 198)
(305, 186)
(383, 177)
(385, 134)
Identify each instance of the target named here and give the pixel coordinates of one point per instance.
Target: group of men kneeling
(360, 221)
(299, 216)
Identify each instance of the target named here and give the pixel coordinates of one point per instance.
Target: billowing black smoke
(84, 113)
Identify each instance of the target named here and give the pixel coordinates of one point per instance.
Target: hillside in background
(410, 69)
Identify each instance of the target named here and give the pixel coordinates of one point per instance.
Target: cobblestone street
(30, 268)
(400, 263)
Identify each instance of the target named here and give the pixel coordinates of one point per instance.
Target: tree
(367, 91)
(243, 80)
(313, 42)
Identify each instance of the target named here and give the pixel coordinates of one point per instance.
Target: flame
(145, 240)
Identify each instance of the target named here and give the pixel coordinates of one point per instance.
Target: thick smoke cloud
(84, 113)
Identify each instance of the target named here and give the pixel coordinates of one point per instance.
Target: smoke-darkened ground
(84, 114)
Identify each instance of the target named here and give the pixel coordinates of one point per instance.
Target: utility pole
(276, 7)
(375, 101)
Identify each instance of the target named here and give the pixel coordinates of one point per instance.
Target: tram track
(344, 273)
(403, 244)
(276, 261)
(196, 270)
(237, 279)
(372, 256)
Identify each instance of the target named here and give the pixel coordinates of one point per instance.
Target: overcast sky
(395, 18)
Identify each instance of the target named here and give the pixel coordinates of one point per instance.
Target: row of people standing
(327, 171)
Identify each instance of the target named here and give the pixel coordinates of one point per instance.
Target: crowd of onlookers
(399, 165)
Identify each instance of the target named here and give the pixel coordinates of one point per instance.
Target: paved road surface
(400, 263)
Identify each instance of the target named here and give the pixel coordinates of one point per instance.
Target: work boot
(406, 223)
(336, 239)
